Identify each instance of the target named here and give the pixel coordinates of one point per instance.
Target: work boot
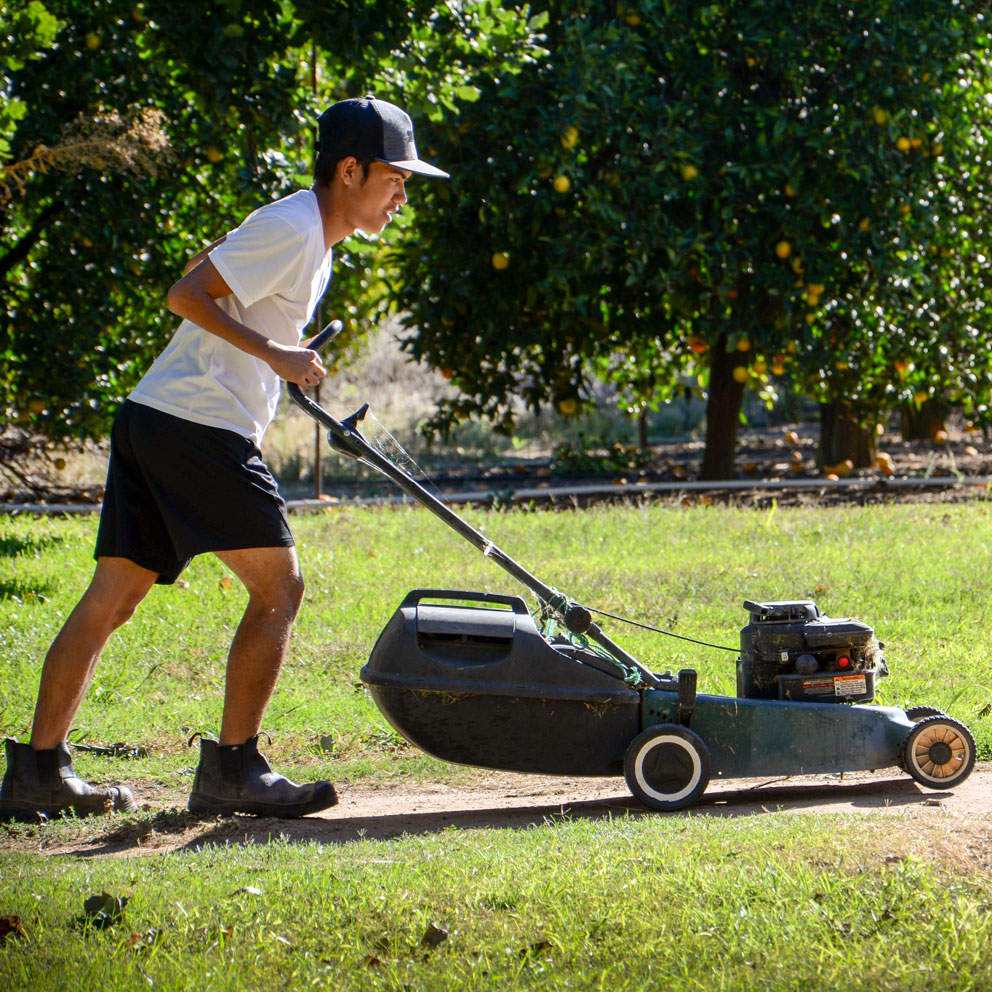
(235, 778)
(44, 784)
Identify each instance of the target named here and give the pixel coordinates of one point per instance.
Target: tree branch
(20, 251)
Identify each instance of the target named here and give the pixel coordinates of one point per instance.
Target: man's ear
(348, 170)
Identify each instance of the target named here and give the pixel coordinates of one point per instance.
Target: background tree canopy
(669, 196)
(136, 133)
(767, 194)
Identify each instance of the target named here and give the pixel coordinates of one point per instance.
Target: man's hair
(324, 168)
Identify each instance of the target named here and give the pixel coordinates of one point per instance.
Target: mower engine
(791, 651)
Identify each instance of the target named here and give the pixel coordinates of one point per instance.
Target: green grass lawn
(801, 902)
(918, 574)
(690, 901)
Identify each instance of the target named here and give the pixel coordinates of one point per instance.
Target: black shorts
(176, 489)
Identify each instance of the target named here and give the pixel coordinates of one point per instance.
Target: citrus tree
(147, 129)
(717, 194)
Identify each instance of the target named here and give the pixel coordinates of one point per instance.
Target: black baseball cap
(371, 129)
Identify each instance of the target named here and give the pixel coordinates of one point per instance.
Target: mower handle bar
(351, 442)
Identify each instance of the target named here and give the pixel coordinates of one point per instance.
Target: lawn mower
(476, 678)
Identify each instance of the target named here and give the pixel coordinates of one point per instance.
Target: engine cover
(791, 651)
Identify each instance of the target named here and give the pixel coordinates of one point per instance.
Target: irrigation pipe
(880, 485)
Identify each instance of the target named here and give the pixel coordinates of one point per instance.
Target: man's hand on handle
(298, 365)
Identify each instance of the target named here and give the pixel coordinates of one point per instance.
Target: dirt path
(512, 801)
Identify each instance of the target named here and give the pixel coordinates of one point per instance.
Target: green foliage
(797, 179)
(89, 251)
(597, 456)
(26, 30)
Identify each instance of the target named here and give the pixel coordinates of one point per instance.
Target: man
(186, 474)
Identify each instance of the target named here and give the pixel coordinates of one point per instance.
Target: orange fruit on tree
(783, 249)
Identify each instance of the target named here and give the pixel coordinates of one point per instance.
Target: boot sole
(228, 807)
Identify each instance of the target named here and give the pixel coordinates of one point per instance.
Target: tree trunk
(843, 437)
(723, 413)
(920, 423)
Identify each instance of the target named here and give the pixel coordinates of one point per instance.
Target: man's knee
(116, 591)
(282, 594)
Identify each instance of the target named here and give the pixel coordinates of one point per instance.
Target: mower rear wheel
(939, 752)
(667, 766)
(917, 713)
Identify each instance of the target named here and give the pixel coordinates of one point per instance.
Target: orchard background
(671, 199)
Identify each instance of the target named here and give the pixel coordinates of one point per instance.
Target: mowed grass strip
(688, 902)
(917, 573)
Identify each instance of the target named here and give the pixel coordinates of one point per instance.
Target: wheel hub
(940, 753)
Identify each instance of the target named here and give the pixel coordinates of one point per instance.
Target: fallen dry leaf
(433, 936)
(10, 926)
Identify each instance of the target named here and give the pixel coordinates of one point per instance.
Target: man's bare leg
(275, 592)
(116, 589)
(40, 779)
(232, 776)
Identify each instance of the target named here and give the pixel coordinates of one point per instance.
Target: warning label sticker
(849, 685)
(818, 687)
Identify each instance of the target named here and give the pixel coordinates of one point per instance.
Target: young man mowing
(186, 475)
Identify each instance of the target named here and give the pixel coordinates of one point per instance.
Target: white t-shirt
(277, 268)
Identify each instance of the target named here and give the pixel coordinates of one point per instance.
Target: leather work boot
(44, 784)
(235, 778)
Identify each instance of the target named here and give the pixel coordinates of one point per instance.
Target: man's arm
(194, 297)
(201, 255)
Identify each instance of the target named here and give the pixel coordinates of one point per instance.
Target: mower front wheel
(667, 766)
(917, 713)
(939, 752)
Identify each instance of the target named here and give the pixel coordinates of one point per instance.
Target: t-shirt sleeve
(260, 258)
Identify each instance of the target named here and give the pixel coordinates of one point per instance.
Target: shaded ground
(952, 827)
(946, 471)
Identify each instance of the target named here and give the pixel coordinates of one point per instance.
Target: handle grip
(515, 602)
(333, 329)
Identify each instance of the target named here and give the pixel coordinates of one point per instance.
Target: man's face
(374, 200)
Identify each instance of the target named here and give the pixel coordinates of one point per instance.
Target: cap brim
(419, 168)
